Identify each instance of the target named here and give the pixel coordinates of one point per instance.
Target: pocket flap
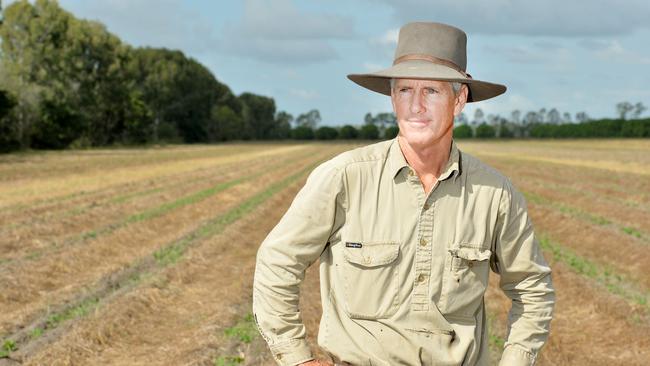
(471, 253)
(372, 254)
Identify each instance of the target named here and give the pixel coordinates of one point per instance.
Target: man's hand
(316, 363)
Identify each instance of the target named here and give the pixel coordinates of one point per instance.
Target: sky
(578, 55)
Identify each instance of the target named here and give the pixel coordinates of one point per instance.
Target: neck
(427, 160)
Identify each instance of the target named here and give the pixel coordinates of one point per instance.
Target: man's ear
(461, 99)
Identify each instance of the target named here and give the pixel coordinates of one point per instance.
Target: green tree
(310, 119)
(348, 132)
(463, 132)
(484, 131)
(391, 132)
(227, 124)
(369, 132)
(260, 116)
(282, 127)
(302, 133)
(326, 133)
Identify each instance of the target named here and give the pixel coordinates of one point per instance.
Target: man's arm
(525, 279)
(294, 244)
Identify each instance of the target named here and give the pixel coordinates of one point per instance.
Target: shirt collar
(397, 162)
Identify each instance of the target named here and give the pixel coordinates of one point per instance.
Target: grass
(244, 331)
(575, 212)
(7, 347)
(77, 311)
(172, 253)
(228, 361)
(604, 275)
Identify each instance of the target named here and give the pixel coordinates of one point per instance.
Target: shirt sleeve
(288, 250)
(525, 279)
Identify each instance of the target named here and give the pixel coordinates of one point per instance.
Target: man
(406, 231)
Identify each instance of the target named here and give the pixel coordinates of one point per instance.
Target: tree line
(68, 82)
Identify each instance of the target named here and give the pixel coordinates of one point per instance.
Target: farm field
(146, 256)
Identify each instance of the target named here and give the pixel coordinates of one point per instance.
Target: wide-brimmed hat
(431, 51)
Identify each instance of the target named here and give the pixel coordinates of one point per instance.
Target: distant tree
(484, 131)
(553, 116)
(530, 118)
(460, 119)
(504, 130)
(478, 116)
(227, 124)
(541, 116)
(369, 132)
(326, 133)
(463, 132)
(282, 129)
(623, 108)
(515, 117)
(261, 115)
(310, 119)
(368, 119)
(302, 133)
(582, 117)
(391, 132)
(639, 108)
(566, 117)
(8, 137)
(348, 132)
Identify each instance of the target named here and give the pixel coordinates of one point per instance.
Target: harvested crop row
(26, 191)
(620, 203)
(45, 165)
(105, 216)
(56, 204)
(195, 298)
(26, 291)
(623, 253)
(616, 187)
(81, 201)
(590, 327)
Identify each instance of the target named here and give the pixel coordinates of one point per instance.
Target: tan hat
(432, 51)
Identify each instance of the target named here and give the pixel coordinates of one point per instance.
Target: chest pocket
(370, 276)
(466, 279)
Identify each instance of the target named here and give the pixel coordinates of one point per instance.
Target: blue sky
(579, 55)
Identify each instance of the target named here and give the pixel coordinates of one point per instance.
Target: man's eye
(403, 90)
(431, 91)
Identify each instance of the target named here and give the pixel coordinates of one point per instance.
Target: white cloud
(613, 50)
(279, 32)
(304, 94)
(550, 17)
(142, 23)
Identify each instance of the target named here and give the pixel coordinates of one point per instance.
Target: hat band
(432, 59)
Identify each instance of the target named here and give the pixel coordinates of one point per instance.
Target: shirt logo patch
(352, 245)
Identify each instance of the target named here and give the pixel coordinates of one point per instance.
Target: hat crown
(434, 39)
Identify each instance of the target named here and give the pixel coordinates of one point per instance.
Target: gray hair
(455, 86)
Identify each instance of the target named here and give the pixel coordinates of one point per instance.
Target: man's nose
(416, 102)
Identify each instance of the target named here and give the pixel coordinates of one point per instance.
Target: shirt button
(278, 356)
(421, 278)
(411, 173)
(367, 260)
(423, 242)
(470, 264)
(426, 206)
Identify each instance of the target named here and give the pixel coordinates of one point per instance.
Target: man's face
(425, 109)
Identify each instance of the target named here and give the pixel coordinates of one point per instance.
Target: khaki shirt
(403, 273)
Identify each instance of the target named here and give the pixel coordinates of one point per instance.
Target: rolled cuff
(291, 353)
(516, 356)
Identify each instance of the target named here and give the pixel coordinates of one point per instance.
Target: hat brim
(380, 81)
